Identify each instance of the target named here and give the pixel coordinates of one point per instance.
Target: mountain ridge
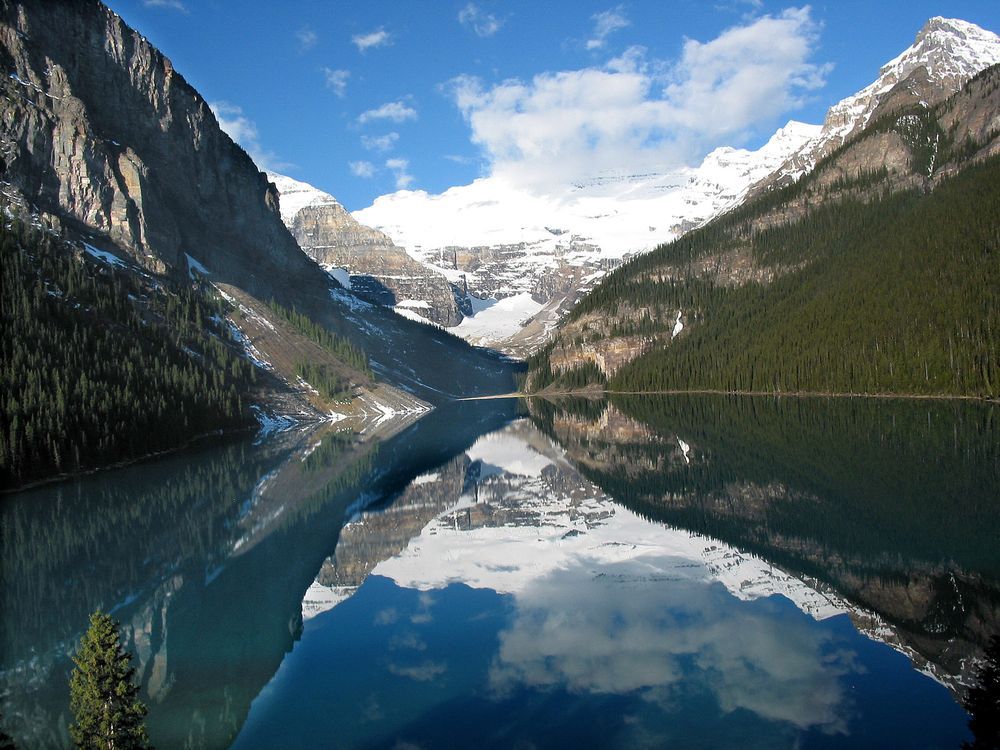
(871, 274)
(555, 257)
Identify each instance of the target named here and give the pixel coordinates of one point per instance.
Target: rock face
(102, 139)
(379, 271)
(100, 133)
(945, 55)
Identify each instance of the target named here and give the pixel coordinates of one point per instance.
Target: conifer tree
(983, 702)
(103, 694)
(6, 741)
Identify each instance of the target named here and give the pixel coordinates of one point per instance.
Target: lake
(684, 571)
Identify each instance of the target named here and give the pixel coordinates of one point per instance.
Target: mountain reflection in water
(687, 571)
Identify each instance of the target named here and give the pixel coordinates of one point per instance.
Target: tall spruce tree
(983, 702)
(6, 741)
(103, 694)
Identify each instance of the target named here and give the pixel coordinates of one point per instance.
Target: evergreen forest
(885, 292)
(101, 365)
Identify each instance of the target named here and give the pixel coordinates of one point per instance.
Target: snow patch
(271, 424)
(104, 256)
(496, 320)
(320, 598)
(678, 326)
(505, 453)
(342, 275)
(195, 267)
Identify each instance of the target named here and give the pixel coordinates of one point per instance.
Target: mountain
(112, 161)
(946, 53)
(873, 272)
(364, 260)
(526, 259)
(102, 139)
(543, 253)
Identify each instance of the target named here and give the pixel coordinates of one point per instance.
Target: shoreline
(36, 483)
(585, 393)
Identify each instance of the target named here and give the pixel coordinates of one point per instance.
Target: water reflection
(585, 634)
(619, 631)
(204, 557)
(694, 572)
(894, 504)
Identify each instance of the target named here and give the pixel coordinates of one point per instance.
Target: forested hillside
(101, 365)
(902, 295)
(865, 276)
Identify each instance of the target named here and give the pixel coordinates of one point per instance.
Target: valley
(580, 428)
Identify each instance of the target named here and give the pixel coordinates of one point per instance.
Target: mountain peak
(951, 49)
(294, 195)
(954, 26)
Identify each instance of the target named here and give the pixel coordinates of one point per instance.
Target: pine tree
(6, 741)
(103, 694)
(983, 702)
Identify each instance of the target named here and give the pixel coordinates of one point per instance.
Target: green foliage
(329, 384)
(100, 365)
(103, 694)
(899, 293)
(336, 345)
(983, 702)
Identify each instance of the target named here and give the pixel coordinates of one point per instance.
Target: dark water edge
(203, 557)
(206, 558)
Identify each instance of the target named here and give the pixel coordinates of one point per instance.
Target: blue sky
(364, 98)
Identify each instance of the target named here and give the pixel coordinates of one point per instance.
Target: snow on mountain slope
(360, 258)
(616, 213)
(506, 241)
(503, 241)
(296, 195)
(951, 51)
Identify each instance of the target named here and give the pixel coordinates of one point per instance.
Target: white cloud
(635, 113)
(362, 168)
(378, 38)
(401, 171)
(244, 131)
(380, 143)
(307, 38)
(482, 23)
(171, 4)
(397, 111)
(573, 631)
(336, 80)
(605, 24)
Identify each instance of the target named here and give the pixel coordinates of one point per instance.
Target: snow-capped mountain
(296, 195)
(362, 259)
(950, 52)
(527, 258)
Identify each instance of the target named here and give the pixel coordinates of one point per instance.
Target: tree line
(101, 365)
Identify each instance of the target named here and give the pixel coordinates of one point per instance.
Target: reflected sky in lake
(689, 572)
(531, 610)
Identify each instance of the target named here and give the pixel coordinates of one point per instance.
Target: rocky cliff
(102, 135)
(102, 139)
(379, 271)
